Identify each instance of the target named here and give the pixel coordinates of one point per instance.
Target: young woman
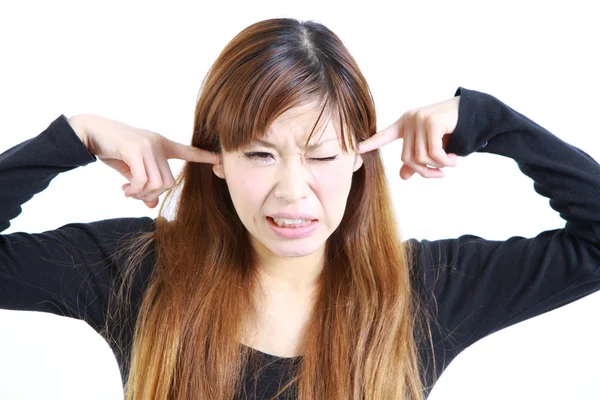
(280, 272)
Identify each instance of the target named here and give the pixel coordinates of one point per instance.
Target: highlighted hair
(360, 340)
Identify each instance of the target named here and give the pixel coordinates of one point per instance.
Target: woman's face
(285, 177)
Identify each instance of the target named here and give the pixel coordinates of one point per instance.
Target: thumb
(190, 153)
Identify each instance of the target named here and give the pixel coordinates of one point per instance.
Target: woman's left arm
(472, 286)
(481, 286)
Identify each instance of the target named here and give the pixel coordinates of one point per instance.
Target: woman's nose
(293, 180)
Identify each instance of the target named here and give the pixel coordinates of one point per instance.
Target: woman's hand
(425, 132)
(137, 154)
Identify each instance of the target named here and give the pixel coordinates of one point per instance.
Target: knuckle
(146, 142)
(405, 158)
(421, 158)
(154, 139)
(410, 115)
(154, 185)
(421, 115)
(132, 154)
(438, 156)
(137, 183)
(169, 183)
(431, 125)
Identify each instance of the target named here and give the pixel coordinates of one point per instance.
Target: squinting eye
(263, 156)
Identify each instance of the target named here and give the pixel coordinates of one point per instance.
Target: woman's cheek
(250, 183)
(243, 184)
(334, 179)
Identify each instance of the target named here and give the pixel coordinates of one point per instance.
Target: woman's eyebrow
(312, 146)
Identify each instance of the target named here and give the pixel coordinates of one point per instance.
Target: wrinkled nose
(293, 180)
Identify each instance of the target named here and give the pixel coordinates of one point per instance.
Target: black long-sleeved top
(472, 286)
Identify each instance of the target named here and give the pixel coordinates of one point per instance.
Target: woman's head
(295, 86)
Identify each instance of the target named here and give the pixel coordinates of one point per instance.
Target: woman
(225, 299)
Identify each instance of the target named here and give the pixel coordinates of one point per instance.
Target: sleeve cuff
(468, 137)
(65, 138)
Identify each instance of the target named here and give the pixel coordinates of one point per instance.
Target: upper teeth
(282, 221)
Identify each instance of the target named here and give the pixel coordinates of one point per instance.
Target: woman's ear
(218, 170)
(358, 161)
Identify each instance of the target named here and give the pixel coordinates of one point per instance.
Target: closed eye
(263, 156)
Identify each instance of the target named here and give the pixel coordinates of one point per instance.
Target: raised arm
(475, 287)
(67, 271)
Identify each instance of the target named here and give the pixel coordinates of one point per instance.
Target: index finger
(191, 153)
(382, 138)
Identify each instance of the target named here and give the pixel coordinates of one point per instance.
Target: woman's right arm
(67, 271)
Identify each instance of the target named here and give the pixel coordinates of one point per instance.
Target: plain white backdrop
(142, 63)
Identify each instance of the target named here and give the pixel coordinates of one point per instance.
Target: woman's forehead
(281, 136)
(306, 108)
(299, 122)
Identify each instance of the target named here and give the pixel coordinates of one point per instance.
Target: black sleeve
(67, 271)
(481, 286)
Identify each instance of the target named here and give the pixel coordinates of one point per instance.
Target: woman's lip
(307, 219)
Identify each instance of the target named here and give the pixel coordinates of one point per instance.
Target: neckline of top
(271, 356)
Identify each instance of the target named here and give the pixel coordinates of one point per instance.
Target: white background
(142, 63)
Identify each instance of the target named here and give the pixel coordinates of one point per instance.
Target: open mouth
(296, 223)
(295, 231)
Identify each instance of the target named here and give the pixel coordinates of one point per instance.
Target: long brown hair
(360, 339)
